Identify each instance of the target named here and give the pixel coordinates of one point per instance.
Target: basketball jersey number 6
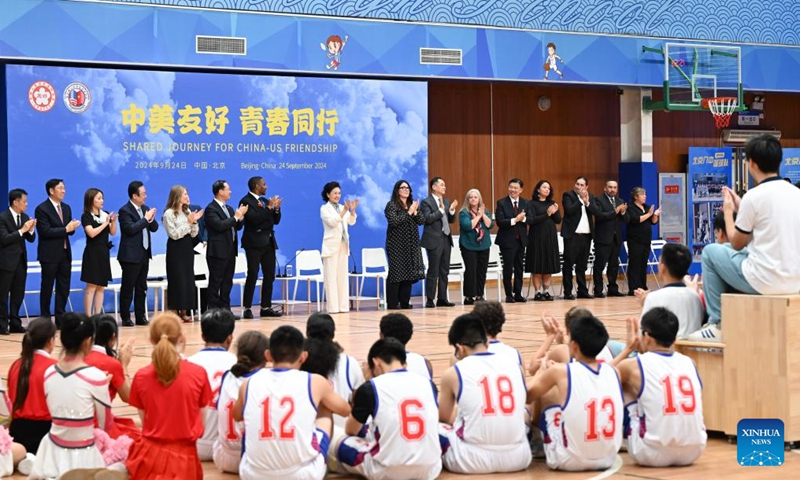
(607, 407)
(412, 424)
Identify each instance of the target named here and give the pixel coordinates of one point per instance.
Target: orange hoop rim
(721, 108)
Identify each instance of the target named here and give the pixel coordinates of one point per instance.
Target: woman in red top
(104, 357)
(169, 394)
(30, 417)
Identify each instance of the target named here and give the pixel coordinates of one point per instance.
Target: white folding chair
(624, 265)
(425, 263)
(116, 285)
(655, 254)
(374, 265)
(158, 272)
(200, 268)
(75, 267)
(33, 268)
(307, 263)
(456, 271)
(496, 268)
(240, 276)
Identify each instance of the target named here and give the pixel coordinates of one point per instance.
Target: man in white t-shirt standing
(768, 224)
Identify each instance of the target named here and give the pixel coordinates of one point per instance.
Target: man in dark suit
(611, 212)
(53, 221)
(512, 238)
(439, 213)
(222, 222)
(15, 228)
(576, 229)
(258, 241)
(136, 221)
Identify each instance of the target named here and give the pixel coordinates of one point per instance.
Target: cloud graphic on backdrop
(271, 92)
(99, 128)
(383, 138)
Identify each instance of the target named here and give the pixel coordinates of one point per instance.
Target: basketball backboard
(693, 72)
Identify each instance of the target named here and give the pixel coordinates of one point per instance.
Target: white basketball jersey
(279, 421)
(406, 420)
(215, 361)
(500, 348)
(605, 355)
(347, 377)
(591, 419)
(229, 432)
(670, 404)
(491, 400)
(415, 363)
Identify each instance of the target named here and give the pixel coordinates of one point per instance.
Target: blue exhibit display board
(790, 167)
(709, 170)
(103, 128)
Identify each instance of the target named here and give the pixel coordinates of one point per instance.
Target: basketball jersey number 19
(606, 406)
(686, 389)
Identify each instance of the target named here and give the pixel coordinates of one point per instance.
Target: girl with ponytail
(169, 394)
(77, 396)
(30, 418)
(251, 348)
(115, 364)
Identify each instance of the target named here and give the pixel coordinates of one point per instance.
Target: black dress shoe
(599, 295)
(269, 312)
(248, 314)
(631, 294)
(142, 322)
(585, 296)
(393, 307)
(548, 297)
(17, 329)
(539, 297)
(407, 306)
(430, 304)
(569, 296)
(509, 299)
(520, 299)
(127, 323)
(615, 294)
(445, 303)
(4, 331)
(469, 301)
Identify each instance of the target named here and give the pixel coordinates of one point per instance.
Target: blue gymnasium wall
(143, 34)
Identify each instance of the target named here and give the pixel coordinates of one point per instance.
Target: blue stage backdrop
(103, 128)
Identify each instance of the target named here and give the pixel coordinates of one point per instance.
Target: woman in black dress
(641, 218)
(96, 265)
(542, 259)
(181, 225)
(402, 245)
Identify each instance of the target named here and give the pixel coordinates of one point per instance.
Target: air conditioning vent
(740, 137)
(440, 56)
(221, 45)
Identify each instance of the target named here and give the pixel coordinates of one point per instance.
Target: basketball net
(721, 108)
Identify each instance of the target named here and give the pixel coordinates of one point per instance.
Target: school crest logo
(42, 96)
(77, 97)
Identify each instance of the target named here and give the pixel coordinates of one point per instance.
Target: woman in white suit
(336, 246)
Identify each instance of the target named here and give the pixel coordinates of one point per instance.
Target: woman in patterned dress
(402, 245)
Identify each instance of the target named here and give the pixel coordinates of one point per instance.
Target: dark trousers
(220, 281)
(638, 253)
(133, 289)
(398, 293)
(475, 264)
(263, 257)
(513, 258)
(606, 254)
(60, 274)
(576, 254)
(12, 283)
(438, 269)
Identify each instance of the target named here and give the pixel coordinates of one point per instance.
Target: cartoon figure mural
(550, 61)
(334, 46)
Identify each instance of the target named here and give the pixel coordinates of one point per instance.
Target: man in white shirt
(684, 302)
(768, 224)
(577, 229)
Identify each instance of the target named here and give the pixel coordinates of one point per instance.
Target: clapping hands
(195, 216)
(412, 210)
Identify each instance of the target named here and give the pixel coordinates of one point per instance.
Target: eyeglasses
(404, 187)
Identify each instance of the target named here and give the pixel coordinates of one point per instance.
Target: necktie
(228, 215)
(61, 217)
(264, 202)
(19, 221)
(516, 212)
(613, 202)
(145, 233)
(445, 223)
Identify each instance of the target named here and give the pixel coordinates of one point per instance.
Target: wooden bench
(756, 372)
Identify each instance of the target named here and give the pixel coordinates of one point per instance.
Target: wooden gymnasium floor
(356, 331)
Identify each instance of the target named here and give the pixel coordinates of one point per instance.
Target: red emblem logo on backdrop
(77, 97)
(672, 189)
(42, 96)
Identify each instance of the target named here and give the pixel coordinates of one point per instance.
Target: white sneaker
(709, 333)
(26, 464)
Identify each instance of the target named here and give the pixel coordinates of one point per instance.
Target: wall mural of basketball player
(550, 61)
(334, 46)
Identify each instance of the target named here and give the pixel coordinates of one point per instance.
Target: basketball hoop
(722, 108)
